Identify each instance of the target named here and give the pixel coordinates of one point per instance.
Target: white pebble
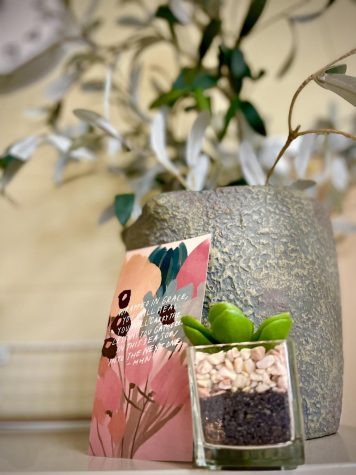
(225, 384)
(227, 373)
(256, 377)
(203, 392)
(217, 358)
(282, 383)
(238, 364)
(240, 381)
(261, 388)
(216, 377)
(266, 379)
(249, 366)
(228, 364)
(258, 353)
(245, 353)
(277, 369)
(204, 367)
(266, 362)
(204, 383)
(203, 376)
(230, 354)
(199, 356)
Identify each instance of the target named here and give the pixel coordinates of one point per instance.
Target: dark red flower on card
(121, 324)
(109, 348)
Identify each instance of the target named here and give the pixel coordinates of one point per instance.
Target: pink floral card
(142, 407)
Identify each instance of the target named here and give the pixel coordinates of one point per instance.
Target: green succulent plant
(228, 324)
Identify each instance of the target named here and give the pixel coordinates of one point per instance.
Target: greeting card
(142, 407)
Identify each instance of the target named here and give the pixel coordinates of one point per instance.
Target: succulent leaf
(195, 337)
(231, 327)
(280, 330)
(218, 308)
(191, 322)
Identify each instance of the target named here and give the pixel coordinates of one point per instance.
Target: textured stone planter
(272, 250)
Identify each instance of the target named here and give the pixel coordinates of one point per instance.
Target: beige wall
(58, 268)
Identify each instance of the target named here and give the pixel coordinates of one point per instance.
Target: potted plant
(244, 391)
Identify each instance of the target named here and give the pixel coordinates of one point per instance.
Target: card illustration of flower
(141, 407)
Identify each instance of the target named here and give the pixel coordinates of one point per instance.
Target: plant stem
(294, 133)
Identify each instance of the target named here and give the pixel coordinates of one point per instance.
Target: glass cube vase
(246, 405)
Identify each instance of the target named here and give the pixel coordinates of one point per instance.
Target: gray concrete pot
(272, 250)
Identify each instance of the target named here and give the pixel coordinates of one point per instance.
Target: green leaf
(6, 160)
(238, 66)
(253, 14)
(195, 78)
(253, 117)
(232, 327)
(277, 330)
(166, 13)
(218, 308)
(268, 321)
(10, 166)
(192, 322)
(123, 206)
(195, 336)
(202, 102)
(210, 32)
(168, 98)
(230, 113)
(338, 69)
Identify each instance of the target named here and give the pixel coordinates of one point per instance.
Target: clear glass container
(246, 405)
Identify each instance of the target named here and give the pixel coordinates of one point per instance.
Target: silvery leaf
(302, 184)
(341, 226)
(107, 214)
(113, 146)
(198, 173)
(158, 143)
(181, 11)
(304, 154)
(60, 142)
(269, 151)
(339, 173)
(60, 86)
(341, 84)
(339, 143)
(35, 112)
(82, 153)
(59, 168)
(107, 92)
(130, 20)
(23, 149)
(134, 89)
(97, 120)
(250, 166)
(196, 138)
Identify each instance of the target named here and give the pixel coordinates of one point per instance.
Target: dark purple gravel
(246, 418)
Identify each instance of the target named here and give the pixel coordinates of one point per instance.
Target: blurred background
(60, 251)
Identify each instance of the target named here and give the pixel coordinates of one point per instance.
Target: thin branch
(310, 78)
(294, 133)
(326, 132)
